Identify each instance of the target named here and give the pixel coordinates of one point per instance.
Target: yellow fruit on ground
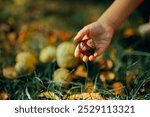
(4, 95)
(10, 72)
(107, 75)
(104, 63)
(65, 55)
(24, 67)
(48, 54)
(26, 56)
(118, 88)
(62, 77)
(80, 71)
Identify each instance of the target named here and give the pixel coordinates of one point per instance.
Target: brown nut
(87, 47)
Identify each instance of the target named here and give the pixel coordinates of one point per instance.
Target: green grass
(28, 87)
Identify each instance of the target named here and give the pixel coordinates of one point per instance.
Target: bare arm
(119, 11)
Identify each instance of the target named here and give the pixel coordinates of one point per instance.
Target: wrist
(107, 23)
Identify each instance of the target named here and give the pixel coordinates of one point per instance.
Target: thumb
(81, 34)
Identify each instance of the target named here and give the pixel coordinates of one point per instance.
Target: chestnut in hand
(87, 47)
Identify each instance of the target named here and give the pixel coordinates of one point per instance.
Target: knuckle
(85, 28)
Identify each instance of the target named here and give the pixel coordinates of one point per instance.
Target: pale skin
(102, 30)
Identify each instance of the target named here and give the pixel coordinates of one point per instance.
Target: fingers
(77, 52)
(91, 58)
(81, 34)
(84, 57)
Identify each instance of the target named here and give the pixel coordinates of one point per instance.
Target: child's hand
(101, 33)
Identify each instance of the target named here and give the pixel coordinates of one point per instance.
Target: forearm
(119, 11)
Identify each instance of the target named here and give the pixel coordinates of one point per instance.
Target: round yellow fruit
(48, 54)
(4, 95)
(107, 75)
(24, 67)
(65, 55)
(26, 56)
(10, 72)
(62, 77)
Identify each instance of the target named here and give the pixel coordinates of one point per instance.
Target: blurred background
(123, 71)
